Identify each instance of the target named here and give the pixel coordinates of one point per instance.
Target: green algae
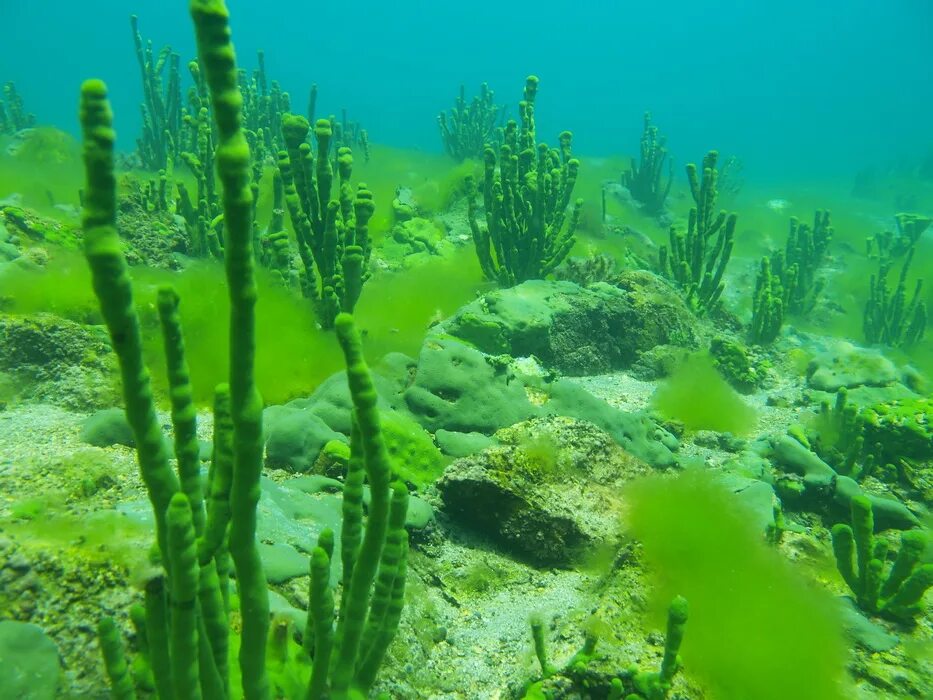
(696, 395)
(757, 628)
(294, 355)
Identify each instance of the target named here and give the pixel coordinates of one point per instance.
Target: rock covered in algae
(548, 493)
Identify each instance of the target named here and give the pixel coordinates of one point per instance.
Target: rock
(294, 511)
(733, 362)
(294, 437)
(864, 632)
(106, 428)
(411, 242)
(749, 463)
(29, 225)
(456, 444)
(756, 497)
(331, 400)
(29, 667)
(635, 432)
(460, 396)
(843, 364)
(577, 330)
(59, 360)
(153, 238)
(658, 362)
(281, 562)
(549, 493)
(333, 459)
(456, 387)
(903, 428)
(823, 481)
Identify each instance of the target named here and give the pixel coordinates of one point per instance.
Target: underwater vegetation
(697, 395)
(891, 317)
(13, 115)
(695, 260)
(467, 128)
(285, 413)
(644, 178)
(525, 201)
(787, 281)
(735, 584)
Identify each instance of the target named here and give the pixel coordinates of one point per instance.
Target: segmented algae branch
(526, 194)
(644, 178)
(468, 128)
(332, 234)
(161, 107)
(184, 629)
(696, 261)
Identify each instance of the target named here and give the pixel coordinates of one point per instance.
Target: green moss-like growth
(900, 429)
(415, 457)
(697, 395)
(732, 360)
(38, 229)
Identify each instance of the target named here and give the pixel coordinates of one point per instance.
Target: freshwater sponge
(861, 558)
(756, 630)
(696, 395)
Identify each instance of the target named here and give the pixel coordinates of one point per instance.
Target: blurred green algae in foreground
(757, 629)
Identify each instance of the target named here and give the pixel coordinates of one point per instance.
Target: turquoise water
(799, 89)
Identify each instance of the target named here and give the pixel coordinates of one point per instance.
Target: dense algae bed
(605, 454)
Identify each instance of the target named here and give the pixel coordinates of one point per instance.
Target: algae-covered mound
(843, 364)
(455, 390)
(57, 360)
(902, 428)
(549, 492)
(28, 662)
(578, 330)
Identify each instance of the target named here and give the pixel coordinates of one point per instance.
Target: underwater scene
(451, 351)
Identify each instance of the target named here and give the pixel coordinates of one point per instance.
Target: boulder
(549, 493)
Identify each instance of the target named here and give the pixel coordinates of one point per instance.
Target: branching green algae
(186, 613)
